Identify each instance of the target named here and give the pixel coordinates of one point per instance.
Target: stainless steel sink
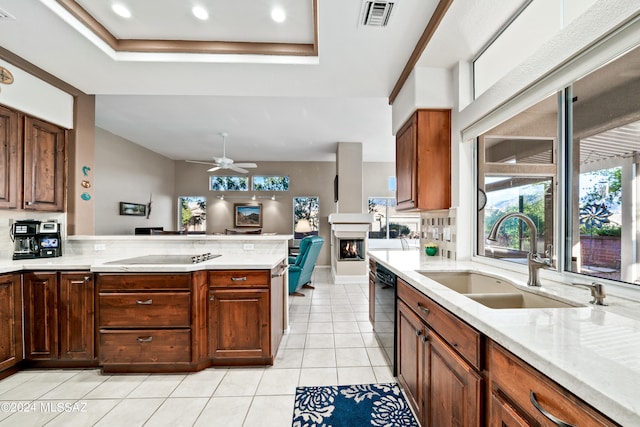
(494, 292)
(165, 259)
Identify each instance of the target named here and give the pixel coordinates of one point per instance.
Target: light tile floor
(330, 343)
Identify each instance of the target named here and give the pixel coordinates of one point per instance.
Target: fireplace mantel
(353, 228)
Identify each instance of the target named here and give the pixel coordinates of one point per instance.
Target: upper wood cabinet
(423, 161)
(44, 166)
(10, 159)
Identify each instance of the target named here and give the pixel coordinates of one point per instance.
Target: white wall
(126, 172)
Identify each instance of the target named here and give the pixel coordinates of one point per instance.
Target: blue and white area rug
(380, 405)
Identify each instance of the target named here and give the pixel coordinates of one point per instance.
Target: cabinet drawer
(239, 278)
(145, 346)
(148, 309)
(126, 282)
(516, 380)
(462, 337)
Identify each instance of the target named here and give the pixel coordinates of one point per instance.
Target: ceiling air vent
(6, 15)
(376, 13)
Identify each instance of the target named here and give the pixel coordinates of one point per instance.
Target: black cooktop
(166, 259)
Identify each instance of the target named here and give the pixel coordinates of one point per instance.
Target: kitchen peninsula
(581, 358)
(94, 306)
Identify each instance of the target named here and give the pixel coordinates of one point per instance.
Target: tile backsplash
(439, 227)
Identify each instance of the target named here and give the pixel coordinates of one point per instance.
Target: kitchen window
(518, 170)
(390, 224)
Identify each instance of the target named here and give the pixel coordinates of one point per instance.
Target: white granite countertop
(97, 264)
(592, 351)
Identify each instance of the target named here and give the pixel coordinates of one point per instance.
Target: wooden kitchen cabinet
(423, 161)
(10, 321)
(44, 166)
(514, 386)
(151, 322)
(245, 316)
(438, 360)
(59, 316)
(10, 159)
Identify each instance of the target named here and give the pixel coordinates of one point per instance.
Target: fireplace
(349, 246)
(350, 249)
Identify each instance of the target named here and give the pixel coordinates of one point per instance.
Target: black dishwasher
(384, 326)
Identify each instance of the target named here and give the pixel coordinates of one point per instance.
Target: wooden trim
(193, 46)
(429, 31)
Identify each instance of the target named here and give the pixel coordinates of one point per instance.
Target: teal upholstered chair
(301, 267)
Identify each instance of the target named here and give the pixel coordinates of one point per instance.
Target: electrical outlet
(446, 234)
(99, 247)
(247, 246)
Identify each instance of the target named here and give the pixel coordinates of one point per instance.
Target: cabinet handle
(147, 302)
(239, 279)
(418, 332)
(424, 338)
(557, 421)
(87, 278)
(425, 310)
(29, 203)
(144, 339)
(211, 298)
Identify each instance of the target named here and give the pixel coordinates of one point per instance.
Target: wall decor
(137, 209)
(247, 214)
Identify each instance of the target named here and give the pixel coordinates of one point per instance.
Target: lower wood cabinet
(10, 321)
(443, 387)
(245, 316)
(151, 322)
(522, 396)
(59, 316)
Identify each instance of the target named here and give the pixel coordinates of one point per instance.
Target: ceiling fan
(224, 162)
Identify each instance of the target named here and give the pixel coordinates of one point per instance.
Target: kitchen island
(583, 350)
(94, 306)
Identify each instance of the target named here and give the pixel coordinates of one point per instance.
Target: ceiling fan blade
(198, 161)
(214, 169)
(237, 169)
(246, 165)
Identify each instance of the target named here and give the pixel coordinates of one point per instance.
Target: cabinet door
(76, 316)
(503, 415)
(41, 315)
(410, 357)
(10, 159)
(239, 325)
(434, 159)
(406, 158)
(10, 321)
(44, 166)
(454, 388)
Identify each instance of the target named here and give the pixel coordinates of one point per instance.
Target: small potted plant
(431, 249)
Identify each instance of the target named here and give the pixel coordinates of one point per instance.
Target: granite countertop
(590, 350)
(98, 264)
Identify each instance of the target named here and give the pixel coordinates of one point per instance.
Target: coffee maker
(49, 242)
(24, 234)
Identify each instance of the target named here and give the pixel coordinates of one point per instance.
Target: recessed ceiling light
(278, 15)
(121, 10)
(200, 12)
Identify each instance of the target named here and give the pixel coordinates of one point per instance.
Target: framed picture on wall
(247, 214)
(137, 209)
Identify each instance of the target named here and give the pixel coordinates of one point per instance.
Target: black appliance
(49, 240)
(24, 234)
(384, 326)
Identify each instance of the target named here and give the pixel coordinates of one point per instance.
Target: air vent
(6, 15)
(376, 13)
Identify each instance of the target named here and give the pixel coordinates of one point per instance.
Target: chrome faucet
(597, 292)
(534, 260)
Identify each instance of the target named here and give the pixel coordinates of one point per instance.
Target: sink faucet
(534, 260)
(597, 292)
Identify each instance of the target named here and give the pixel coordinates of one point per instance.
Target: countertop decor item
(431, 249)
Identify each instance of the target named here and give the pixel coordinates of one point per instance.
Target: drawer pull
(147, 302)
(424, 338)
(418, 332)
(144, 339)
(425, 310)
(239, 279)
(557, 421)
